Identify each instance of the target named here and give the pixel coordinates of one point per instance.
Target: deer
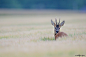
(57, 27)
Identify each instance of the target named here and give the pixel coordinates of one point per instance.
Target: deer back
(60, 34)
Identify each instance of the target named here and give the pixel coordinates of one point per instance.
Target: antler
(56, 21)
(59, 21)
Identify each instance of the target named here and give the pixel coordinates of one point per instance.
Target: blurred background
(25, 28)
(44, 4)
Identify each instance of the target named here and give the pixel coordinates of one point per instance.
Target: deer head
(57, 26)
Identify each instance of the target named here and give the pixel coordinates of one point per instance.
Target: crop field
(30, 34)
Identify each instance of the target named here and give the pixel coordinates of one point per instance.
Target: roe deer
(57, 27)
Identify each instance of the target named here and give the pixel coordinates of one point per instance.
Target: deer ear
(52, 23)
(62, 23)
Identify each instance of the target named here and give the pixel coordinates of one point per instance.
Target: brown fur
(60, 34)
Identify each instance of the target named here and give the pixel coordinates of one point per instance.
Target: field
(30, 34)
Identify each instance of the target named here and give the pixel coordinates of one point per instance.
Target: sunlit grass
(33, 36)
(47, 39)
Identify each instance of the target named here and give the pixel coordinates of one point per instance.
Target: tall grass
(33, 36)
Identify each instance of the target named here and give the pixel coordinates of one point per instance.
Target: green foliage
(9, 4)
(47, 39)
(42, 4)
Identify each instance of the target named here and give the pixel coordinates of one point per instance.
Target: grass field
(30, 34)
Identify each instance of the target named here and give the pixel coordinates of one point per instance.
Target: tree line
(42, 4)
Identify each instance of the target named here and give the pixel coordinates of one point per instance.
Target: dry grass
(32, 35)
